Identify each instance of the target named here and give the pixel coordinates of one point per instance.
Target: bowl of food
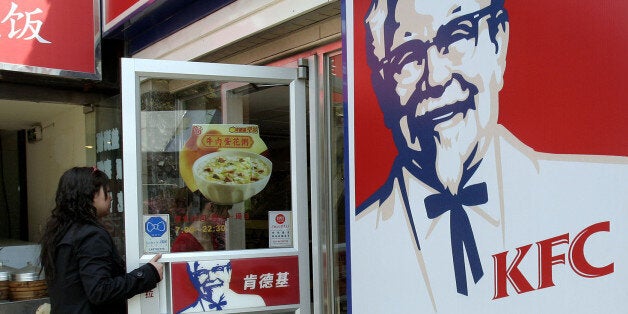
(231, 176)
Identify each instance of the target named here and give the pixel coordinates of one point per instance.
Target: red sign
(560, 71)
(57, 35)
(118, 11)
(199, 286)
(510, 274)
(487, 156)
(115, 8)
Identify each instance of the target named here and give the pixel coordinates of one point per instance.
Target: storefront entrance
(215, 179)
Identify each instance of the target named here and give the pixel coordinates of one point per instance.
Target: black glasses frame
(462, 27)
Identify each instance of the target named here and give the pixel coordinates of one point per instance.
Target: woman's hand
(158, 266)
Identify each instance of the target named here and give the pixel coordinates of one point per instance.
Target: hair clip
(94, 168)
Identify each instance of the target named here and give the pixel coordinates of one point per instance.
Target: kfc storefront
(208, 157)
(233, 157)
(364, 156)
(201, 169)
(450, 205)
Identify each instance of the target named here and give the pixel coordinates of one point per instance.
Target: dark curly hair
(74, 205)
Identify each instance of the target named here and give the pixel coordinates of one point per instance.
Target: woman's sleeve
(101, 276)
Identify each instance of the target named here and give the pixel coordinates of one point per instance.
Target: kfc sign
(50, 37)
(469, 202)
(223, 284)
(509, 273)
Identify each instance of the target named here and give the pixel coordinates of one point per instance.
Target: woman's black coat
(90, 275)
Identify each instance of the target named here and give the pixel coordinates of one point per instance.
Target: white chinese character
(119, 169)
(120, 202)
(115, 139)
(29, 25)
(107, 140)
(266, 281)
(105, 166)
(99, 142)
(249, 281)
(282, 280)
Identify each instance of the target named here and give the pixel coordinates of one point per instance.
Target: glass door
(327, 153)
(335, 217)
(215, 179)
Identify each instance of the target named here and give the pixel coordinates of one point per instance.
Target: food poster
(487, 156)
(224, 162)
(217, 285)
(225, 165)
(222, 167)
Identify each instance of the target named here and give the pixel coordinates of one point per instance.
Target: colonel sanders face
(437, 68)
(210, 275)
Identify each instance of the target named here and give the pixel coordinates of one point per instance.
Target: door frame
(133, 71)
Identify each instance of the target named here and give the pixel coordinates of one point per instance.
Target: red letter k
(510, 273)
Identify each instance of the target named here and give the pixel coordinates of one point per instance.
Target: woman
(84, 271)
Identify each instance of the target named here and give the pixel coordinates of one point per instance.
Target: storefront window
(104, 150)
(215, 161)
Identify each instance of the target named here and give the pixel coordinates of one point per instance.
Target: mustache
(213, 283)
(430, 118)
(423, 127)
(435, 92)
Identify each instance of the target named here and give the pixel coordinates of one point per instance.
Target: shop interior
(37, 140)
(23, 125)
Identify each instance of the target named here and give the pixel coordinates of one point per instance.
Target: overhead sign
(117, 11)
(470, 203)
(50, 37)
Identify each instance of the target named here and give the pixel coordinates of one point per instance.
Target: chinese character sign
(279, 228)
(24, 25)
(216, 285)
(488, 154)
(49, 34)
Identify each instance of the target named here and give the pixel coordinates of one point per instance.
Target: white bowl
(220, 183)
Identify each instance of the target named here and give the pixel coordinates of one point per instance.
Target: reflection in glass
(222, 201)
(337, 182)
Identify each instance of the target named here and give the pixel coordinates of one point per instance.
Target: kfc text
(546, 260)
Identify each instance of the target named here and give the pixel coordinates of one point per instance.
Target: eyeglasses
(461, 28)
